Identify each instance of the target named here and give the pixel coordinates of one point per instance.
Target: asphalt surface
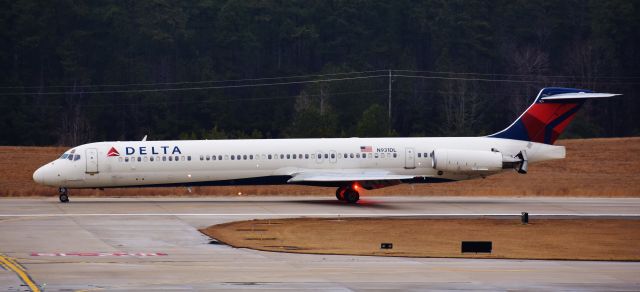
(154, 243)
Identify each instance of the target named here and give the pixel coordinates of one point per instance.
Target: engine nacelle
(453, 160)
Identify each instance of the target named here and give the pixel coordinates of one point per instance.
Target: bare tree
(531, 63)
(75, 128)
(460, 106)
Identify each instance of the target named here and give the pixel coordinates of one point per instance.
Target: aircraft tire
(351, 196)
(340, 193)
(64, 195)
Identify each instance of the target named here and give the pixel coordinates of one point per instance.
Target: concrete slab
(102, 238)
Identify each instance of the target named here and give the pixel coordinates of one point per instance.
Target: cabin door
(92, 160)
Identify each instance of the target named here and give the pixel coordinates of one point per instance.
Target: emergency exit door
(409, 158)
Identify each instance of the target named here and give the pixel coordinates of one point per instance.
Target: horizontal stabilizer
(578, 95)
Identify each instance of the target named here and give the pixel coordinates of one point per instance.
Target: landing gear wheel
(340, 193)
(351, 196)
(64, 195)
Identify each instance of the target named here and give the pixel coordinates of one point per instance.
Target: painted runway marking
(14, 266)
(322, 214)
(98, 254)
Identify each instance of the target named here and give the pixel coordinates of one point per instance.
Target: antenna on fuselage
(144, 138)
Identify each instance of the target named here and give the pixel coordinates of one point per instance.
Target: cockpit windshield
(70, 156)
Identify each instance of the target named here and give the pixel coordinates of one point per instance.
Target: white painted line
(315, 214)
(98, 254)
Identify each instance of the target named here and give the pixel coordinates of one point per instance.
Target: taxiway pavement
(154, 243)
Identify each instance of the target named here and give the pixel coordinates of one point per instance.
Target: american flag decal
(366, 149)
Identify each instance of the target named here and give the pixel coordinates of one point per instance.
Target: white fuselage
(191, 162)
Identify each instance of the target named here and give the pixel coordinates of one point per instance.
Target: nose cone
(38, 175)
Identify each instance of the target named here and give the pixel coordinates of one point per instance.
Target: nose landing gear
(347, 194)
(64, 195)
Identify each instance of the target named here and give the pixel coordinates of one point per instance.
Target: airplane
(348, 164)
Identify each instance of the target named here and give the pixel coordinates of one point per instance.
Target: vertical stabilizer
(552, 110)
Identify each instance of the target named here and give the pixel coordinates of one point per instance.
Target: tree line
(81, 71)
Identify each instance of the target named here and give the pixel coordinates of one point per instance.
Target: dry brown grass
(585, 239)
(593, 167)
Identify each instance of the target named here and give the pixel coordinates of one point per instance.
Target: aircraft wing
(312, 176)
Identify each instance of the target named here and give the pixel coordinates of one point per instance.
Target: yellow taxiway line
(12, 265)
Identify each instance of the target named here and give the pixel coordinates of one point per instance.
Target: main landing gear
(348, 194)
(64, 195)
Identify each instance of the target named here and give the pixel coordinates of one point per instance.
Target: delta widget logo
(113, 152)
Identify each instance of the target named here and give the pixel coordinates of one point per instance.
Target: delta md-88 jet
(348, 164)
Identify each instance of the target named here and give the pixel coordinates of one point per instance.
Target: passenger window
(181, 158)
(219, 157)
(119, 159)
(419, 155)
(208, 158)
(126, 159)
(170, 158)
(326, 156)
(201, 157)
(294, 156)
(281, 156)
(395, 155)
(269, 156)
(213, 157)
(351, 155)
(164, 158)
(244, 157)
(189, 157)
(313, 156)
(233, 157)
(333, 155)
(151, 158)
(251, 157)
(288, 156)
(346, 155)
(139, 158)
(426, 155)
(226, 157)
(357, 155)
(264, 156)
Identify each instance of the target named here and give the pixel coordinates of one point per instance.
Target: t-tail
(551, 112)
